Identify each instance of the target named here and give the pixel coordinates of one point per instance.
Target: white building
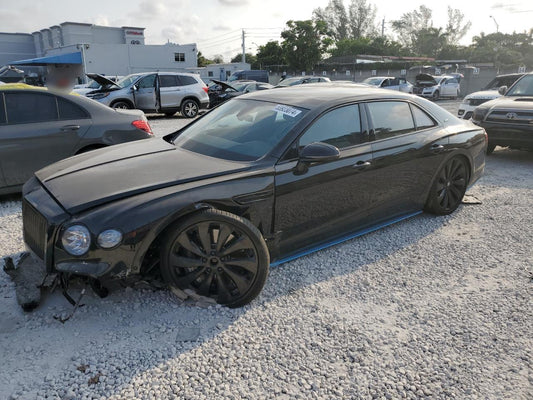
(71, 49)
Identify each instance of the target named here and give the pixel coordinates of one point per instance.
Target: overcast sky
(215, 25)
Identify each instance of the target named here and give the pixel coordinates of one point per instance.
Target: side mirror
(134, 88)
(502, 90)
(319, 152)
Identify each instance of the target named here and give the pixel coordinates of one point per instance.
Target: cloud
(234, 3)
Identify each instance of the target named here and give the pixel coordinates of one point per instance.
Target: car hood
(425, 80)
(102, 80)
(511, 103)
(484, 94)
(224, 85)
(98, 177)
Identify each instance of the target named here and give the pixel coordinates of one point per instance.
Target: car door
(324, 199)
(41, 129)
(407, 147)
(146, 98)
(3, 131)
(170, 91)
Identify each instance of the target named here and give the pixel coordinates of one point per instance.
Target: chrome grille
(511, 117)
(34, 228)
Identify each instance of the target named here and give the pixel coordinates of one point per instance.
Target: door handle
(437, 148)
(70, 128)
(361, 164)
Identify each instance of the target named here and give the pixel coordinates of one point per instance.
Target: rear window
(30, 107)
(69, 110)
(187, 80)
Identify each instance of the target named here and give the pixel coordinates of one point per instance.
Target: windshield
(373, 81)
(523, 87)
(501, 81)
(239, 86)
(289, 82)
(127, 80)
(240, 130)
(93, 85)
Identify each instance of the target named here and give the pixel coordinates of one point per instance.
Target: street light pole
(497, 26)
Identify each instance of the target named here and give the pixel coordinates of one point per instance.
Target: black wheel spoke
(240, 281)
(184, 262)
(456, 191)
(184, 241)
(241, 243)
(249, 264)
(205, 236)
(185, 280)
(223, 235)
(223, 293)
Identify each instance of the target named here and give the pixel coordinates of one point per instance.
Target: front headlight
(109, 238)
(76, 240)
(480, 113)
(98, 96)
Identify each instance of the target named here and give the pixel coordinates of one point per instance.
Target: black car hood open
(102, 80)
(101, 176)
(425, 80)
(224, 85)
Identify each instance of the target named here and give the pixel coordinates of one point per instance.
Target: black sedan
(39, 127)
(508, 119)
(260, 180)
(220, 91)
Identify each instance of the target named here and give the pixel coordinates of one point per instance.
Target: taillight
(142, 125)
(206, 89)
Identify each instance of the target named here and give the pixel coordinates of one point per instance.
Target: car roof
(20, 86)
(315, 95)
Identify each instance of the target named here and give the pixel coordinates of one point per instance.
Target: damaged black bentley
(260, 180)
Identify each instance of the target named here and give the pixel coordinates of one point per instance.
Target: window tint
(2, 110)
(147, 82)
(187, 80)
(168, 80)
(30, 107)
(69, 110)
(422, 120)
(390, 118)
(340, 128)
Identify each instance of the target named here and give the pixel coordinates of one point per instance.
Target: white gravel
(432, 307)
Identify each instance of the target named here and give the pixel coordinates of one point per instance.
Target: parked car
(299, 80)
(489, 92)
(390, 82)
(223, 91)
(154, 92)
(92, 85)
(435, 87)
(251, 74)
(260, 180)
(39, 127)
(508, 119)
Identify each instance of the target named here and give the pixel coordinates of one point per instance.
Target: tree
(362, 19)
(304, 42)
(270, 54)
(503, 49)
(429, 42)
(250, 59)
(410, 23)
(455, 28)
(218, 59)
(202, 61)
(336, 19)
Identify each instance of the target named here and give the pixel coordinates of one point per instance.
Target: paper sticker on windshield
(287, 110)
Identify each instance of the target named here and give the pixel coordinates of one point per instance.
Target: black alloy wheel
(218, 255)
(123, 105)
(449, 187)
(189, 108)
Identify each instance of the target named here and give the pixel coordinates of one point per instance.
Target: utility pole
(497, 26)
(243, 48)
(383, 27)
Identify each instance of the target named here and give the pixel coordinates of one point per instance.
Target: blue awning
(69, 58)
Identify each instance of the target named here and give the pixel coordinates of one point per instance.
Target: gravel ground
(432, 307)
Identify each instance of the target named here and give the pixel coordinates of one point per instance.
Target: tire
(449, 187)
(218, 255)
(435, 96)
(189, 108)
(490, 148)
(123, 105)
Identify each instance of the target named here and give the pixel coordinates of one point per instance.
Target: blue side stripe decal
(344, 239)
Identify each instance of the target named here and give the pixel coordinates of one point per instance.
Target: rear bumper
(519, 135)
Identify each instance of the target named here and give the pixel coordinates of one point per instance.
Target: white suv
(489, 92)
(154, 92)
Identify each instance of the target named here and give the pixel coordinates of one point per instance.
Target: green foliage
(379, 46)
(271, 54)
(502, 49)
(202, 61)
(304, 42)
(250, 59)
(355, 22)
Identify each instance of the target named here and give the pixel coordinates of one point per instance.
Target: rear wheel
(218, 255)
(189, 108)
(123, 105)
(448, 188)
